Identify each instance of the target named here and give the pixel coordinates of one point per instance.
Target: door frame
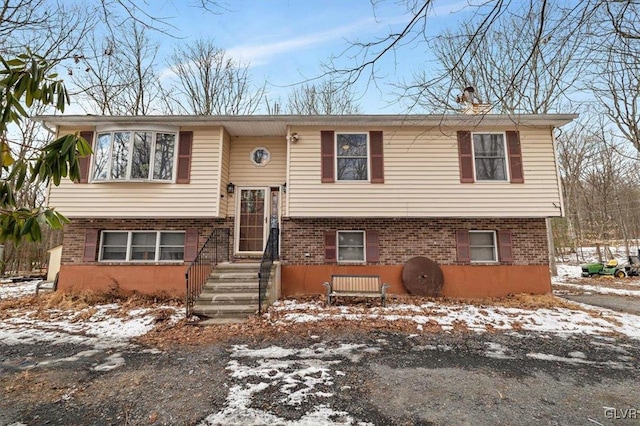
(265, 223)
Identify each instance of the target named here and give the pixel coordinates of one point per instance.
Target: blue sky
(286, 40)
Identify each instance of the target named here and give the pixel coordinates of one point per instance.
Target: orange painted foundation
(155, 280)
(463, 281)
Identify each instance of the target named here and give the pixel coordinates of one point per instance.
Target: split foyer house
(358, 194)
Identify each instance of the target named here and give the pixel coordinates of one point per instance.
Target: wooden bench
(356, 286)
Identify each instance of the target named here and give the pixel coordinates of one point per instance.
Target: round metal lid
(422, 277)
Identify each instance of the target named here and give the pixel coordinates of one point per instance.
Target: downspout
(287, 171)
(552, 248)
(219, 176)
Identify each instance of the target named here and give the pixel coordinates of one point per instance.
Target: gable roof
(276, 125)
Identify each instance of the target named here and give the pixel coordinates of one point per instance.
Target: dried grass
(82, 300)
(527, 301)
(166, 334)
(264, 328)
(52, 305)
(41, 387)
(260, 329)
(519, 301)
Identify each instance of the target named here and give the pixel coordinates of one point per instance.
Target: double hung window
(352, 157)
(489, 157)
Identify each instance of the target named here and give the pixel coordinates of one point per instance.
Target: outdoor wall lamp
(284, 187)
(231, 188)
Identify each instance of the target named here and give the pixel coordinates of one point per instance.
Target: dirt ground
(364, 376)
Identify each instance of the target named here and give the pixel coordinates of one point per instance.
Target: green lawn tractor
(610, 268)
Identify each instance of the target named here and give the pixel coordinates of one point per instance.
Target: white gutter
(446, 120)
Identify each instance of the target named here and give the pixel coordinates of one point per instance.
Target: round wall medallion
(260, 156)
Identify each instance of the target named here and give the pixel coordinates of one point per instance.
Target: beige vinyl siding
(421, 172)
(243, 173)
(199, 198)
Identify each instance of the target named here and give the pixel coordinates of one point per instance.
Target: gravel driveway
(332, 377)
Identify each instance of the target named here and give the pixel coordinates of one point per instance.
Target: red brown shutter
(84, 162)
(465, 155)
(184, 157)
(515, 157)
(373, 247)
(190, 245)
(377, 157)
(90, 245)
(330, 252)
(505, 250)
(327, 142)
(462, 245)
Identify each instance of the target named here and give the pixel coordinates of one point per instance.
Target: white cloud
(261, 54)
(258, 54)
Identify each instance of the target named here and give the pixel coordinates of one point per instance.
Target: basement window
(482, 246)
(142, 246)
(351, 246)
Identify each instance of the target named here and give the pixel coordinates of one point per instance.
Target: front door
(252, 215)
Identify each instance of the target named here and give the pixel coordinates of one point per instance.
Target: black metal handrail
(271, 253)
(214, 250)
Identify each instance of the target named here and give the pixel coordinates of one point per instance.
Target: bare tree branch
(325, 98)
(209, 82)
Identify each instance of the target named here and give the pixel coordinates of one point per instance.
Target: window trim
(336, 156)
(155, 130)
(364, 247)
(506, 158)
(496, 258)
(130, 233)
(252, 153)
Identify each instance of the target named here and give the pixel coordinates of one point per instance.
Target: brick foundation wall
(74, 233)
(404, 238)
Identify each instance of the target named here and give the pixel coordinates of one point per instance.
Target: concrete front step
(233, 276)
(225, 266)
(230, 287)
(225, 311)
(228, 298)
(221, 321)
(230, 293)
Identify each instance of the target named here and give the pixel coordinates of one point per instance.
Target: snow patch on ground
(72, 358)
(10, 290)
(296, 375)
(560, 321)
(581, 359)
(98, 328)
(349, 351)
(112, 362)
(497, 351)
(101, 329)
(567, 271)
